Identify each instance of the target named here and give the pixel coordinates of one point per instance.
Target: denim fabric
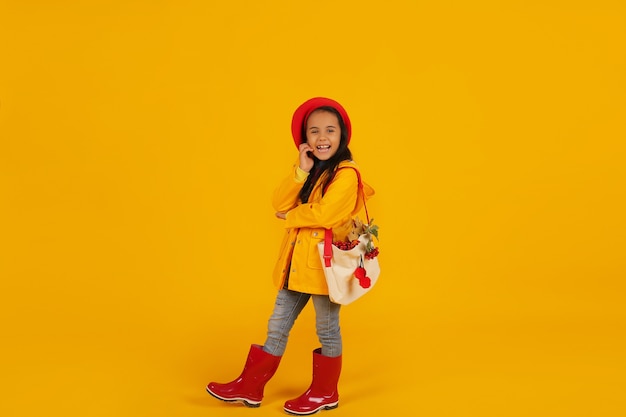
(288, 306)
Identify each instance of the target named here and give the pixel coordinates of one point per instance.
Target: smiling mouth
(323, 148)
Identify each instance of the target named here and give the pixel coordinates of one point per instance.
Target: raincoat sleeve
(286, 194)
(338, 202)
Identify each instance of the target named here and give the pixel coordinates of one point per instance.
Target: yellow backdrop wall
(140, 142)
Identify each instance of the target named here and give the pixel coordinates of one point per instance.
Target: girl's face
(323, 134)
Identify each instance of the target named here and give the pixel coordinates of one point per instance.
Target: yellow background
(140, 142)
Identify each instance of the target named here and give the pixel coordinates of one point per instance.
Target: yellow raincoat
(299, 257)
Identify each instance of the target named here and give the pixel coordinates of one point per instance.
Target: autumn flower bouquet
(361, 232)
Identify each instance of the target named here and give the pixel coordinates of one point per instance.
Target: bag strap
(358, 175)
(328, 248)
(328, 233)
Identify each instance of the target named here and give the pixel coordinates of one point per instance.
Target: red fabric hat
(303, 112)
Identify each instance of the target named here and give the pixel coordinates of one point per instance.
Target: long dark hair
(326, 169)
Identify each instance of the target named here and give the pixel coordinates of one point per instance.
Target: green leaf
(373, 230)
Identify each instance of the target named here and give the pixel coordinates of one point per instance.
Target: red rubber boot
(322, 394)
(248, 387)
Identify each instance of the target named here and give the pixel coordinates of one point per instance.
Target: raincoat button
(314, 233)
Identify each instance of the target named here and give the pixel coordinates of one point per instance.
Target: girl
(317, 194)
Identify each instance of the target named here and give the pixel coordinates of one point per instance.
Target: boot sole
(308, 413)
(244, 401)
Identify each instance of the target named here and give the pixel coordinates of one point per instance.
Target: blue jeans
(288, 306)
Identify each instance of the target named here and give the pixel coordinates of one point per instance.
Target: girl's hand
(306, 160)
(281, 215)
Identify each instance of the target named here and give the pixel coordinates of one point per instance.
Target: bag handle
(328, 233)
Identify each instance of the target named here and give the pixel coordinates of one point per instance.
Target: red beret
(303, 112)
